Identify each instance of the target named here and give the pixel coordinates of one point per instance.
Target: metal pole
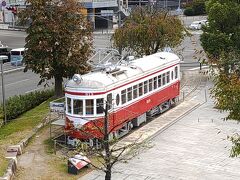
(3, 95)
(119, 24)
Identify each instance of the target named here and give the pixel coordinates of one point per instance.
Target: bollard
(205, 92)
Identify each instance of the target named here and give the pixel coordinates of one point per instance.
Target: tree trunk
(108, 173)
(107, 145)
(58, 86)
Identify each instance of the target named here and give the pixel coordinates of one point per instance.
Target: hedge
(17, 105)
(188, 11)
(197, 7)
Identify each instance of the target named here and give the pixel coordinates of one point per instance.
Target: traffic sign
(4, 3)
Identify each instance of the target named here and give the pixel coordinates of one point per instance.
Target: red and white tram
(133, 89)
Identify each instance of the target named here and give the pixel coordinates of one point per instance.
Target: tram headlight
(77, 78)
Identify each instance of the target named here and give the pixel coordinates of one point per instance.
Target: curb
(18, 150)
(12, 70)
(174, 121)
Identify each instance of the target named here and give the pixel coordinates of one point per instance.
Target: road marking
(17, 82)
(197, 68)
(34, 90)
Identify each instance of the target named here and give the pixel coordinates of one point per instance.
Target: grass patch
(28, 120)
(3, 165)
(49, 146)
(19, 128)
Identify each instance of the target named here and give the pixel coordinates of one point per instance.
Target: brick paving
(194, 147)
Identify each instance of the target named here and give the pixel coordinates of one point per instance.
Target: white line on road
(34, 90)
(203, 67)
(17, 82)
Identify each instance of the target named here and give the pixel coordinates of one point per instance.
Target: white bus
(17, 56)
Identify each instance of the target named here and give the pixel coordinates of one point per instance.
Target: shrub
(197, 7)
(17, 105)
(189, 11)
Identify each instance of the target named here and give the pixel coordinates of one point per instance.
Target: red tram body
(133, 90)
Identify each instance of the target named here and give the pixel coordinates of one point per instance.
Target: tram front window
(100, 106)
(77, 106)
(89, 106)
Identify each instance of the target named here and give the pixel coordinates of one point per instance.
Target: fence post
(55, 147)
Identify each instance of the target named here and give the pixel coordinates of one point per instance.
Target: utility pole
(119, 24)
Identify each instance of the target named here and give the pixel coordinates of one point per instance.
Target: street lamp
(2, 58)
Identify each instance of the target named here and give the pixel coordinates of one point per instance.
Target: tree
(196, 7)
(147, 31)
(59, 40)
(221, 42)
(223, 30)
(108, 151)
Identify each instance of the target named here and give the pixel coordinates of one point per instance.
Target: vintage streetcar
(133, 90)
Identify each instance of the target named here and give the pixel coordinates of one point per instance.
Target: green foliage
(189, 11)
(59, 40)
(145, 32)
(26, 121)
(17, 105)
(223, 30)
(235, 151)
(197, 7)
(221, 41)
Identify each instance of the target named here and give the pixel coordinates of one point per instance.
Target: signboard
(106, 12)
(57, 107)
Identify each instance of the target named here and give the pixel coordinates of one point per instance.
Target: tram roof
(126, 72)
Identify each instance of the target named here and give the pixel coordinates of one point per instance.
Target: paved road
(21, 83)
(195, 147)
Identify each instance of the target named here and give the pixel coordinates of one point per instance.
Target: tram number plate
(88, 94)
(148, 101)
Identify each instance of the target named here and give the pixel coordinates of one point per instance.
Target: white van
(16, 56)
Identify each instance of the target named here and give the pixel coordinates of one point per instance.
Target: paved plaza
(195, 147)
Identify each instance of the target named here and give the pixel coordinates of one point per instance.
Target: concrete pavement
(195, 147)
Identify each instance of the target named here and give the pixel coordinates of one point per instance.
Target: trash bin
(76, 163)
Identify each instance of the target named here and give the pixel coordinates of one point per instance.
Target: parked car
(5, 51)
(197, 25)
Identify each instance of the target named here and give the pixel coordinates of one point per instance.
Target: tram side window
(135, 92)
(155, 83)
(109, 101)
(140, 89)
(69, 107)
(100, 107)
(89, 106)
(150, 84)
(145, 87)
(163, 79)
(172, 75)
(129, 94)
(176, 72)
(159, 80)
(123, 96)
(77, 106)
(168, 77)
